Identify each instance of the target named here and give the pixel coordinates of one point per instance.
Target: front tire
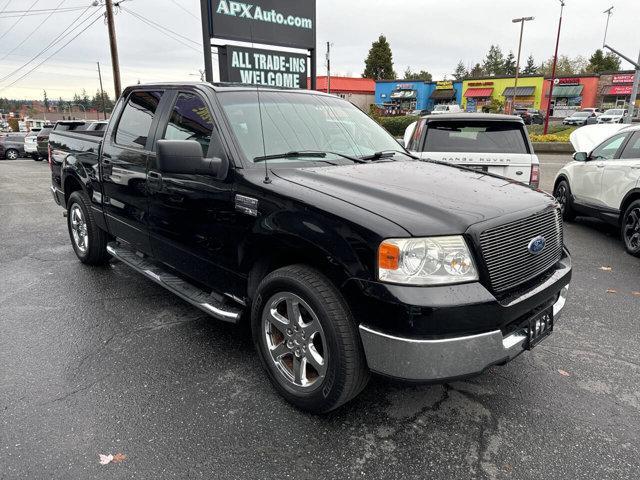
(11, 154)
(631, 229)
(307, 339)
(562, 193)
(89, 241)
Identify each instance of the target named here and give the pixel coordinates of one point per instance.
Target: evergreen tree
(421, 75)
(460, 72)
(379, 62)
(530, 68)
(494, 61)
(599, 62)
(46, 101)
(477, 71)
(509, 65)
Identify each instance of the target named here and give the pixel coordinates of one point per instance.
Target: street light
(515, 87)
(553, 71)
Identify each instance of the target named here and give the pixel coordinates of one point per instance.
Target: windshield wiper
(387, 154)
(306, 153)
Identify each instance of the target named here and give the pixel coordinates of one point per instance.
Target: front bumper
(439, 359)
(30, 148)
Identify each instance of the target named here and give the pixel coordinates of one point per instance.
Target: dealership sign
(263, 67)
(288, 23)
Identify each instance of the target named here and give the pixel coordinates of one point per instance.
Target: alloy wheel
(295, 341)
(631, 230)
(12, 155)
(79, 228)
(561, 197)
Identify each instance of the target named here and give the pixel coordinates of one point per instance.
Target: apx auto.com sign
(289, 23)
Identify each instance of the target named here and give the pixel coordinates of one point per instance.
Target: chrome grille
(505, 249)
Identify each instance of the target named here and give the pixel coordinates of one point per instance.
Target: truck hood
(424, 198)
(586, 138)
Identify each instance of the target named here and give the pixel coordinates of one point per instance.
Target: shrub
(396, 125)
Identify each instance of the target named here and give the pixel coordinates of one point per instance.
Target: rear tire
(36, 157)
(562, 193)
(11, 154)
(307, 339)
(89, 241)
(630, 229)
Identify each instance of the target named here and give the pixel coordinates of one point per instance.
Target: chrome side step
(185, 290)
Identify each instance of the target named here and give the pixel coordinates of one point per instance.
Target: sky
(424, 34)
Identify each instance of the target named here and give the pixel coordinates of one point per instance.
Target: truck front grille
(505, 249)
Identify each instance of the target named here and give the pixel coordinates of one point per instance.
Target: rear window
(475, 137)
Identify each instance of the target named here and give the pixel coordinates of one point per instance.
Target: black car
(297, 213)
(530, 116)
(11, 145)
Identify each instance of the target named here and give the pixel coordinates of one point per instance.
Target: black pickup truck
(296, 212)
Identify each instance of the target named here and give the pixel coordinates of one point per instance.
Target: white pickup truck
(491, 143)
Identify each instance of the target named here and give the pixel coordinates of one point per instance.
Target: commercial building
(359, 91)
(614, 90)
(478, 93)
(398, 97)
(570, 94)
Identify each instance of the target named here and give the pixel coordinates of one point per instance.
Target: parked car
(492, 143)
(419, 113)
(597, 111)
(603, 181)
(12, 145)
(530, 116)
(31, 144)
(43, 141)
(580, 118)
(613, 115)
(442, 109)
(344, 253)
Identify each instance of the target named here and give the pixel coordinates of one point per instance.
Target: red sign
(624, 78)
(568, 81)
(479, 84)
(620, 90)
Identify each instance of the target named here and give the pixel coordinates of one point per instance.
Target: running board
(185, 290)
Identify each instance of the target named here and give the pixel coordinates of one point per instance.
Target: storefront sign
(272, 22)
(263, 67)
(623, 78)
(480, 84)
(620, 90)
(567, 81)
(404, 86)
(444, 85)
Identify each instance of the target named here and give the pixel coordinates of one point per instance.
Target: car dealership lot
(102, 361)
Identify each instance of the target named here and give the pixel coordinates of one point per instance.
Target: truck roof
(228, 87)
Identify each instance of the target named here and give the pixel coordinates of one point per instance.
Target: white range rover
(492, 143)
(603, 181)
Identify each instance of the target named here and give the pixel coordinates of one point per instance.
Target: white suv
(603, 181)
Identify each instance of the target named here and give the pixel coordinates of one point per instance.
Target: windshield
(581, 114)
(296, 122)
(475, 137)
(613, 111)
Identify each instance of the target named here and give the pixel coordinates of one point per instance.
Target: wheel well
(71, 185)
(558, 180)
(626, 202)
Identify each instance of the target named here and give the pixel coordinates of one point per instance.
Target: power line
(18, 21)
(54, 53)
(184, 9)
(5, 7)
(64, 32)
(162, 28)
(32, 32)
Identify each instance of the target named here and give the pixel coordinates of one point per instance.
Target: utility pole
(328, 67)
(115, 62)
(609, 12)
(636, 80)
(553, 71)
(515, 86)
(104, 106)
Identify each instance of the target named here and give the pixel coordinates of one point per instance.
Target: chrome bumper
(434, 360)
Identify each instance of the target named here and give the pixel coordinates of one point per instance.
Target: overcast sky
(425, 34)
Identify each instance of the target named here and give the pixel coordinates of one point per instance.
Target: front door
(124, 169)
(192, 217)
(587, 183)
(621, 174)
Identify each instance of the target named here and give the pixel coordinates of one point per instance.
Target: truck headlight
(426, 261)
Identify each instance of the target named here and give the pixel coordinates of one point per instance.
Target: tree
(494, 61)
(530, 68)
(421, 75)
(509, 65)
(96, 102)
(599, 62)
(477, 71)
(460, 72)
(46, 101)
(379, 62)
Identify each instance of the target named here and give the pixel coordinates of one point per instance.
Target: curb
(552, 147)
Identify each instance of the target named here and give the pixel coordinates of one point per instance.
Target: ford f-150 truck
(296, 212)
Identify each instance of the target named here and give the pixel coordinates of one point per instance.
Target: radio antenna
(264, 145)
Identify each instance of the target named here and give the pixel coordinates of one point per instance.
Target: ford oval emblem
(536, 245)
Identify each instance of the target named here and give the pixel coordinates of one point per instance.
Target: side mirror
(581, 156)
(185, 156)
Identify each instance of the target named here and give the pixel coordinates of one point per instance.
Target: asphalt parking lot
(102, 361)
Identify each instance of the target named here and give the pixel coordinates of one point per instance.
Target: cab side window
(191, 119)
(632, 149)
(608, 150)
(136, 119)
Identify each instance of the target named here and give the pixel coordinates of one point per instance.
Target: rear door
(492, 146)
(621, 173)
(125, 153)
